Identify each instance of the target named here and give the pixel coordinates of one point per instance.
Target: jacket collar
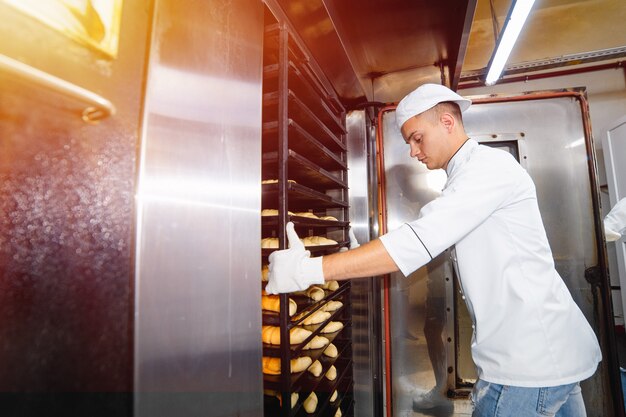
(461, 156)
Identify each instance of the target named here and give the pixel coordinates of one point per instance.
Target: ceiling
(379, 50)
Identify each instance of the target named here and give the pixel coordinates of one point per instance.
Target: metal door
(556, 147)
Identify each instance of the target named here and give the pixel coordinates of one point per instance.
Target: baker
(531, 343)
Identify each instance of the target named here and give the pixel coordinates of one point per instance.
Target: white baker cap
(425, 97)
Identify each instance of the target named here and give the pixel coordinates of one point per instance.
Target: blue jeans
(494, 400)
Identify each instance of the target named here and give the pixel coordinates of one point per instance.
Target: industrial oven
(145, 183)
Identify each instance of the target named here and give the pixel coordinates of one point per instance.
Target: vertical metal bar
(283, 206)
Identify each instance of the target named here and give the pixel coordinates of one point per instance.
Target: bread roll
(315, 369)
(271, 366)
(332, 305)
(269, 212)
(310, 404)
(265, 272)
(272, 393)
(331, 351)
(334, 396)
(318, 317)
(330, 285)
(331, 374)
(317, 342)
(271, 335)
(315, 293)
(332, 218)
(272, 303)
(337, 413)
(332, 327)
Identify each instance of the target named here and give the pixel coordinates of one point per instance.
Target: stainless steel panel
(557, 160)
(66, 216)
(420, 341)
(198, 316)
(365, 335)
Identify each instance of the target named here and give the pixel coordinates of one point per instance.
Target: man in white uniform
(531, 343)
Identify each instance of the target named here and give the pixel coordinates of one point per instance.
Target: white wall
(606, 91)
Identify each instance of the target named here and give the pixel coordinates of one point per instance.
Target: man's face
(426, 137)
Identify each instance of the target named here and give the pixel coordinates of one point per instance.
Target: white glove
(615, 221)
(293, 269)
(353, 242)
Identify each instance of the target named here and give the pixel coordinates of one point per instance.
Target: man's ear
(448, 121)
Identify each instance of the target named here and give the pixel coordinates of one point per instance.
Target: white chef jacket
(528, 331)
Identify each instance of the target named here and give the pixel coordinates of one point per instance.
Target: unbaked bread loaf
(272, 393)
(331, 351)
(331, 374)
(317, 342)
(318, 317)
(332, 327)
(315, 369)
(310, 404)
(271, 335)
(272, 303)
(334, 396)
(332, 305)
(271, 366)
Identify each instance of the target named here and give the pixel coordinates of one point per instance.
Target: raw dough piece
(313, 292)
(332, 327)
(271, 366)
(330, 285)
(310, 404)
(318, 317)
(334, 396)
(331, 375)
(306, 214)
(274, 181)
(332, 218)
(332, 305)
(272, 303)
(272, 212)
(315, 369)
(331, 351)
(318, 241)
(316, 343)
(337, 414)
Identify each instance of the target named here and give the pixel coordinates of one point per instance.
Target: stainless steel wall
(557, 160)
(66, 219)
(198, 316)
(366, 333)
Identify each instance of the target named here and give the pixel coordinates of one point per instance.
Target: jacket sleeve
(468, 200)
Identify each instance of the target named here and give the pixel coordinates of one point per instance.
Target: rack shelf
(303, 171)
(300, 198)
(306, 144)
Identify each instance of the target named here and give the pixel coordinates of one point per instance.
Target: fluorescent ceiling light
(512, 29)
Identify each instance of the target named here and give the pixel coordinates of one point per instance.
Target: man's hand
(293, 269)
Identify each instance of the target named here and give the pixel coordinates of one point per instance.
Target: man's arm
(367, 260)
